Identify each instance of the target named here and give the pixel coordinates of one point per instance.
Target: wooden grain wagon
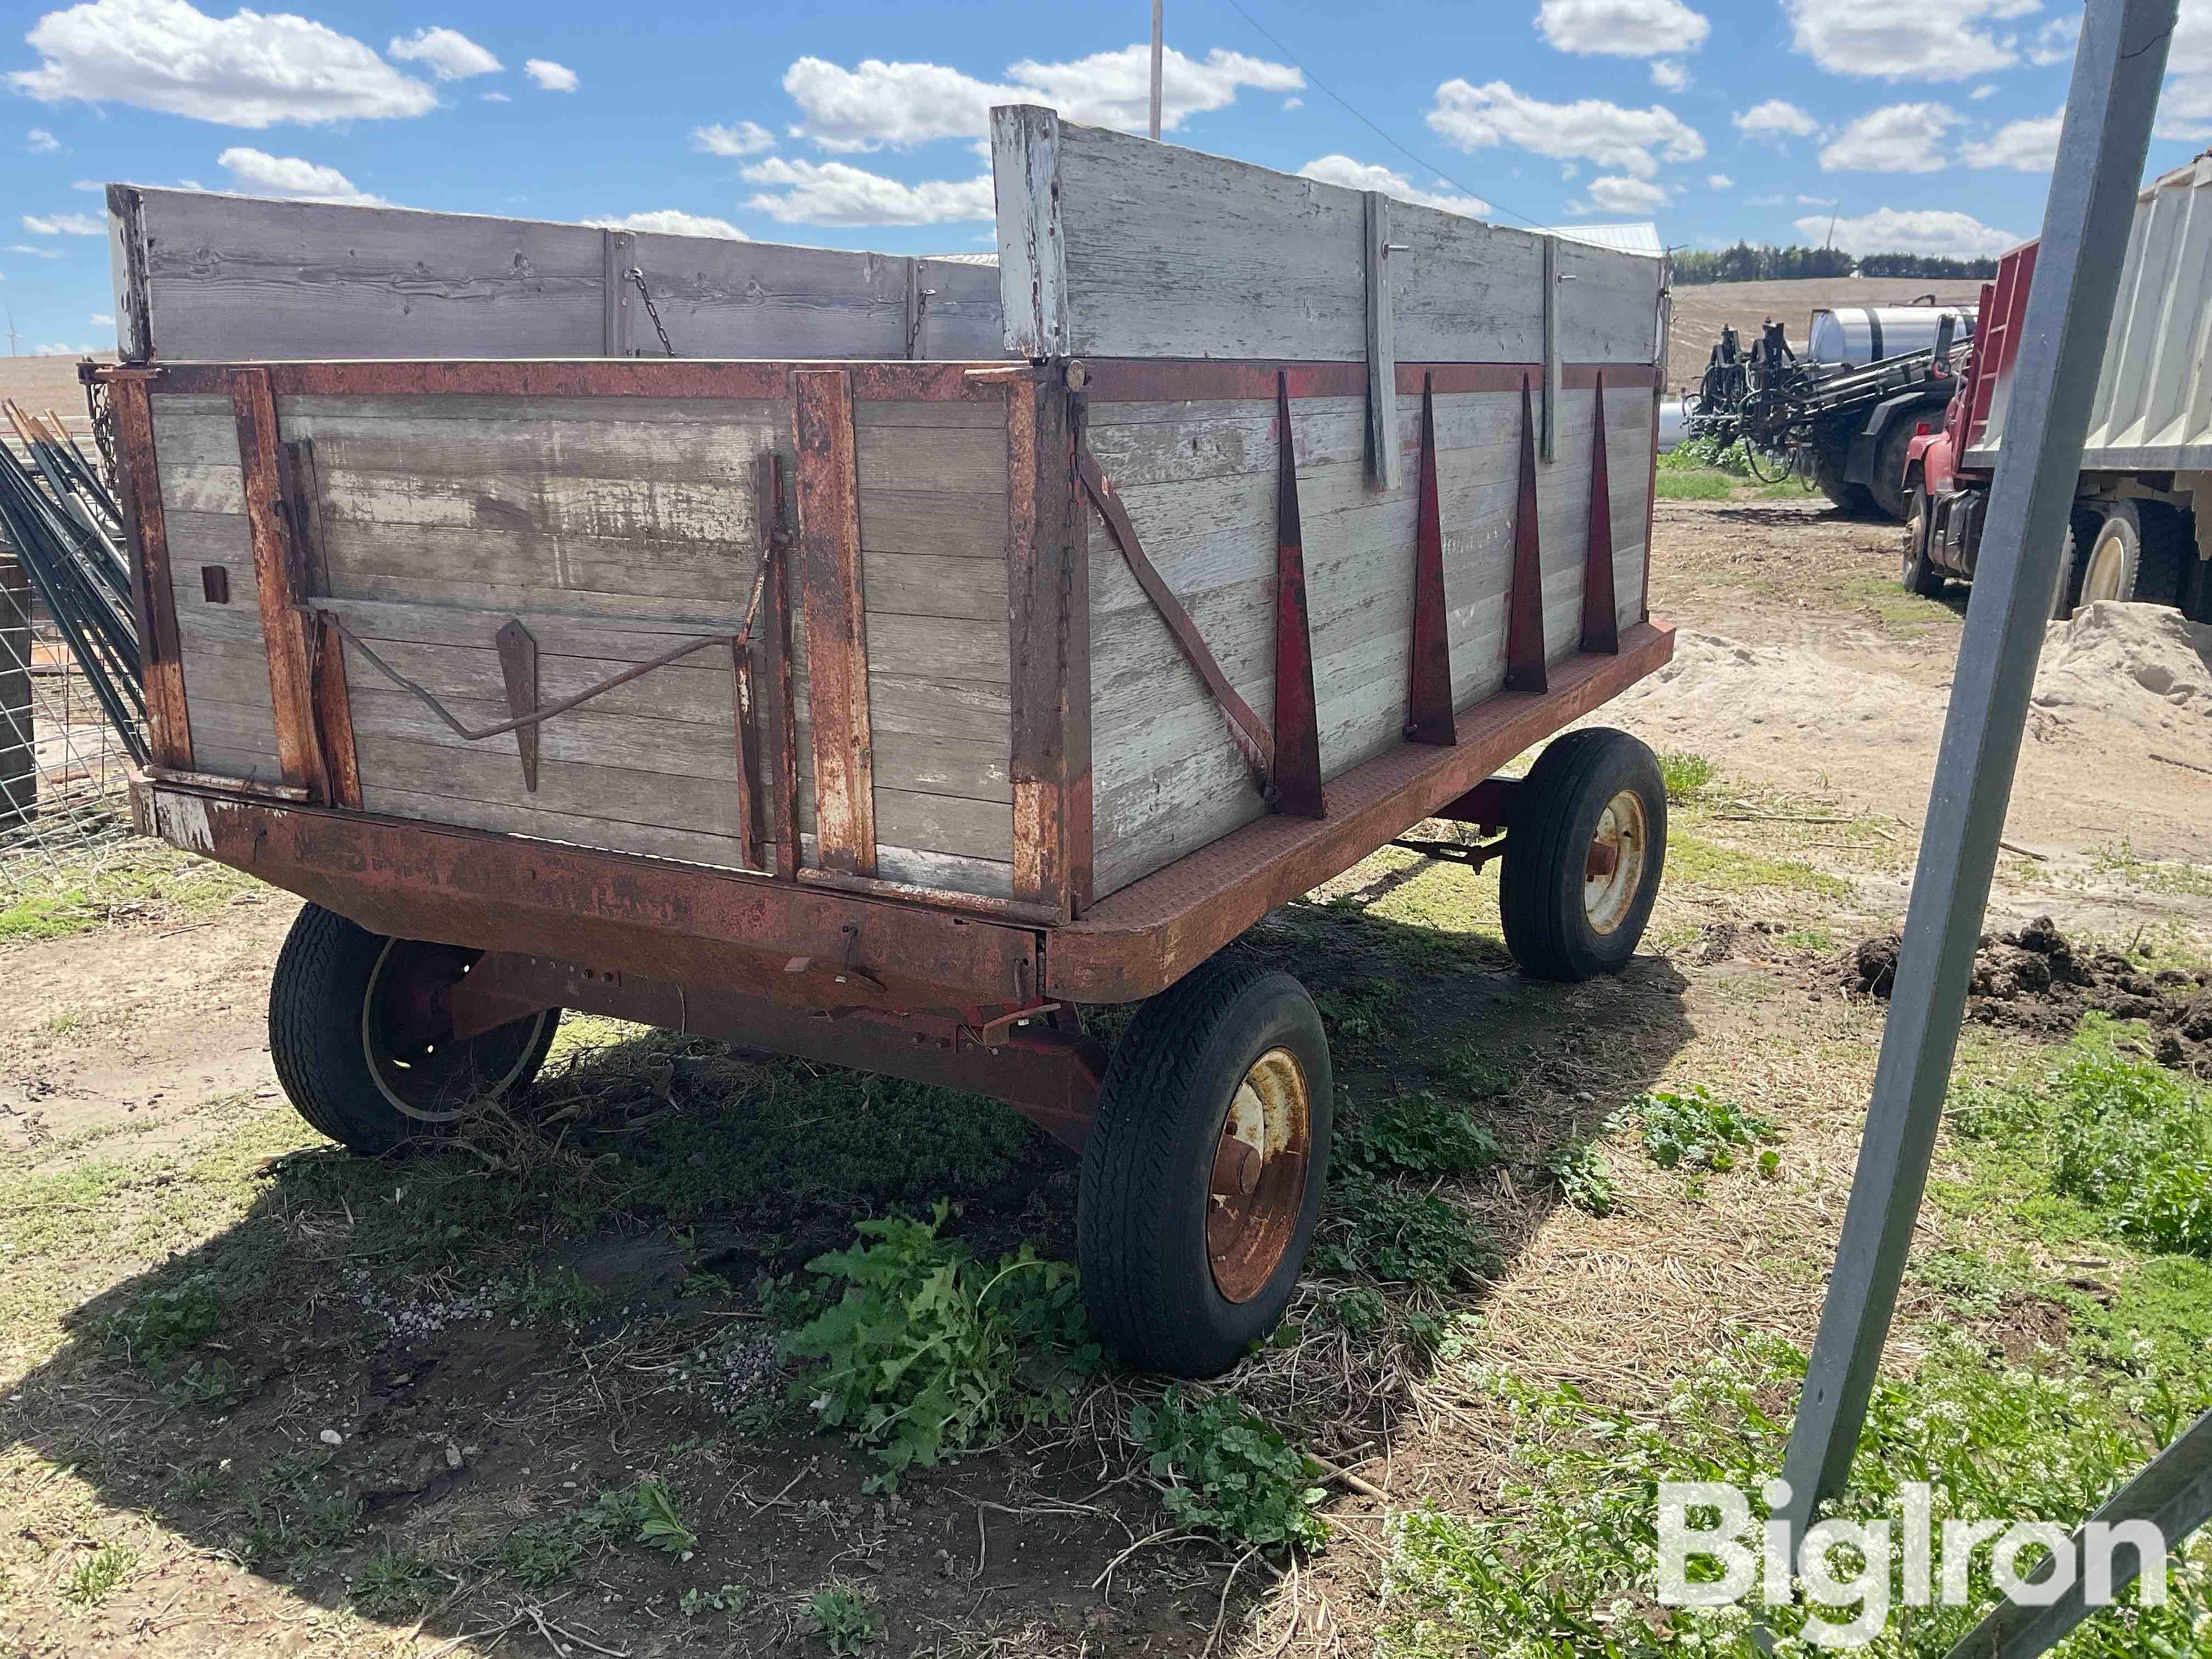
(930, 652)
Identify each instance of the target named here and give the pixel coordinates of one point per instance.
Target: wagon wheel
(1203, 1174)
(1584, 854)
(361, 1031)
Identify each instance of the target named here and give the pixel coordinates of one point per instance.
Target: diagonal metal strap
(1245, 728)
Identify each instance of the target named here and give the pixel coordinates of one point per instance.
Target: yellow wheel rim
(1257, 1187)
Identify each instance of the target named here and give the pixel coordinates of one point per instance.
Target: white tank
(1865, 334)
(1673, 427)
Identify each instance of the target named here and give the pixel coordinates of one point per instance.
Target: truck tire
(1584, 854)
(1887, 488)
(1828, 474)
(352, 1031)
(2132, 559)
(1203, 1174)
(1915, 571)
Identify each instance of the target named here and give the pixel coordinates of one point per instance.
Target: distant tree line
(1745, 264)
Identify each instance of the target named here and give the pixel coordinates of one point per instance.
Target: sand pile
(2138, 664)
(2034, 981)
(1718, 688)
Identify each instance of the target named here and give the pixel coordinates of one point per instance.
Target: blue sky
(856, 124)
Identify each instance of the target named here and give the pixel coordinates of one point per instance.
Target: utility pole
(1158, 48)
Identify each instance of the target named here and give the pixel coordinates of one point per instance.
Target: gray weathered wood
(1032, 245)
(1167, 252)
(1382, 340)
(229, 278)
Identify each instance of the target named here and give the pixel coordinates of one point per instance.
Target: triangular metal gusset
(1296, 783)
(1524, 597)
(1601, 613)
(1428, 677)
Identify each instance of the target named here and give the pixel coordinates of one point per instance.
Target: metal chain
(637, 277)
(101, 408)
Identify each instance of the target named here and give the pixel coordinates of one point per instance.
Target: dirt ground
(1700, 311)
(363, 1459)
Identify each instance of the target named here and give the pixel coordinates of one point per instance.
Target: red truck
(2136, 532)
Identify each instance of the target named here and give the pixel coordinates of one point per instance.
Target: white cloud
(57, 350)
(2184, 109)
(746, 138)
(1669, 74)
(1895, 138)
(451, 55)
(1609, 193)
(39, 142)
(1949, 42)
(245, 70)
(495, 98)
(1987, 89)
(1934, 231)
(1294, 103)
(64, 224)
(1765, 201)
(1815, 201)
(549, 75)
(2054, 41)
(261, 173)
(1777, 117)
(1368, 175)
(672, 221)
(36, 252)
(1720, 181)
(1633, 140)
(102, 319)
(1114, 89)
(837, 193)
(2025, 146)
(93, 185)
(1622, 29)
(879, 103)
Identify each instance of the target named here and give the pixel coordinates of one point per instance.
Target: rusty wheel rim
(1257, 1189)
(1613, 869)
(406, 1034)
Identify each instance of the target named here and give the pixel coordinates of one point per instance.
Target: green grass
(1229, 1475)
(845, 1619)
(1696, 1127)
(96, 889)
(1694, 861)
(1685, 776)
(2119, 859)
(92, 1580)
(1702, 485)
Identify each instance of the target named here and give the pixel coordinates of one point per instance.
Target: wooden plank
(169, 717)
(1032, 244)
(1165, 252)
(656, 840)
(278, 580)
(719, 298)
(1047, 608)
(927, 584)
(836, 619)
(939, 461)
(961, 310)
(935, 522)
(1382, 340)
(772, 663)
(333, 703)
(230, 278)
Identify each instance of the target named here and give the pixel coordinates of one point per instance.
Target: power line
(1419, 160)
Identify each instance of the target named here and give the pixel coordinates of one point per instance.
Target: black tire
(1918, 575)
(2149, 550)
(341, 1078)
(1888, 490)
(1828, 474)
(1557, 813)
(1149, 1275)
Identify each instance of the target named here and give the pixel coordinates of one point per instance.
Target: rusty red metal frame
(836, 621)
(327, 688)
(772, 671)
(1251, 737)
(1297, 784)
(280, 573)
(1048, 617)
(518, 674)
(1524, 600)
(1151, 379)
(168, 722)
(1429, 672)
(1049, 1074)
(1600, 610)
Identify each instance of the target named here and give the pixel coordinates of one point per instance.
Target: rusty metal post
(19, 753)
(1428, 689)
(1296, 778)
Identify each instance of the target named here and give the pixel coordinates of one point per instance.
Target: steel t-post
(2109, 109)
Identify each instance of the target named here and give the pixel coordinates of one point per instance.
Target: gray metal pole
(2109, 107)
(2173, 1492)
(1159, 47)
